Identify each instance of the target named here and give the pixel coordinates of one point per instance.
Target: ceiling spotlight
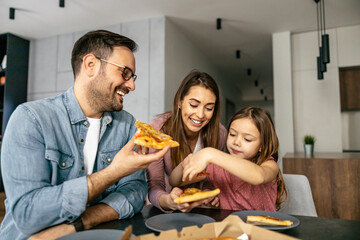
(265, 98)
(249, 71)
(12, 13)
(238, 54)
(218, 23)
(262, 91)
(256, 83)
(62, 3)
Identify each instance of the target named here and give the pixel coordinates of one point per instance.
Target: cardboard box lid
(232, 226)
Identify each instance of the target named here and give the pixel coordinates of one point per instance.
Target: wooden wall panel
(335, 184)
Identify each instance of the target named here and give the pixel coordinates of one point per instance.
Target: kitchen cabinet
(350, 88)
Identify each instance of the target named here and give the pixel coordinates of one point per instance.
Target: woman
(195, 123)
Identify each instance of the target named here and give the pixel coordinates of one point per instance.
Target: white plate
(164, 222)
(281, 216)
(96, 234)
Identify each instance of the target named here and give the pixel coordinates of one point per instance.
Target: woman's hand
(196, 163)
(183, 207)
(212, 201)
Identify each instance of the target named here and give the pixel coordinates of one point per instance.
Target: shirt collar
(74, 110)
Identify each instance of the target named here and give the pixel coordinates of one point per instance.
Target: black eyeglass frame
(127, 78)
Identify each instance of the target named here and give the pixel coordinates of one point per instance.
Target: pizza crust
(267, 220)
(217, 238)
(197, 195)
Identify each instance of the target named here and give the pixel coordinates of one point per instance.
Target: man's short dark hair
(101, 43)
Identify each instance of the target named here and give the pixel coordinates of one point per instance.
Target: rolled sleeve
(129, 197)
(75, 195)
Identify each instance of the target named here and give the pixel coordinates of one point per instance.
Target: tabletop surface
(310, 228)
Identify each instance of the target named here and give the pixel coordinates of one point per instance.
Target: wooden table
(310, 228)
(334, 179)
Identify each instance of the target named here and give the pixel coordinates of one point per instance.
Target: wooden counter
(334, 179)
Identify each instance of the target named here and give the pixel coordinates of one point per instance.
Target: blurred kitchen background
(263, 53)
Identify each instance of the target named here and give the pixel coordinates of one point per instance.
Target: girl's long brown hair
(269, 143)
(174, 125)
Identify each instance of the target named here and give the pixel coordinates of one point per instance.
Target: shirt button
(109, 159)
(82, 140)
(85, 122)
(63, 164)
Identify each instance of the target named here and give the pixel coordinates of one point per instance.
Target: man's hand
(127, 161)
(142, 150)
(54, 232)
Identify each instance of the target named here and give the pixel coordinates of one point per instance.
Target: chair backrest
(299, 200)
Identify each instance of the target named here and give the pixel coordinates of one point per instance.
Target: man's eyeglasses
(126, 72)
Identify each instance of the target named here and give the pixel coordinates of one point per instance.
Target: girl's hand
(194, 164)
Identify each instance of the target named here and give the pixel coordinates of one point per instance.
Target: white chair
(299, 200)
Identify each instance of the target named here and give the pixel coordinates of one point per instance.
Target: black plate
(164, 222)
(281, 216)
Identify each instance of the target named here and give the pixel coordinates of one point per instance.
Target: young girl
(249, 177)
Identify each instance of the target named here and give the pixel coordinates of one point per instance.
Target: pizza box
(232, 226)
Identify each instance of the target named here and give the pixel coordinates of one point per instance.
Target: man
(68, 162)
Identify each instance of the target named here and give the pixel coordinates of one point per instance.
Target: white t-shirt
(91, 144)
(198, 145)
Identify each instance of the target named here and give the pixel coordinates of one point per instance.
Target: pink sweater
(235, 194)
(158, 172)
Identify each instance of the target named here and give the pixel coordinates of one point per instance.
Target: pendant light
(323, 40)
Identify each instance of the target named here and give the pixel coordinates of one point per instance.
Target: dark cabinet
(350, 88)
(13, 84)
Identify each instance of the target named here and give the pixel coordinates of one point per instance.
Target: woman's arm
(242, 168)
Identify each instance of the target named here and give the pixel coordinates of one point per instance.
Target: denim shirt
(42, 165)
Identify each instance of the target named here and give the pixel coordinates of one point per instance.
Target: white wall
(316, 103)
(50, 67)
(283, 99)
(163, 53)
(182, 56)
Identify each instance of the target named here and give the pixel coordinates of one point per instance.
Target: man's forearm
(98, 182)
(97, 214)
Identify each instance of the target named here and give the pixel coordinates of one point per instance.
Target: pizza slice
(267, 220)
(194, 194)
(217, 238)
(148, 136)
(203, 173)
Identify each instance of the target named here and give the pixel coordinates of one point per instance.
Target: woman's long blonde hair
(269, 143)
(174, 125)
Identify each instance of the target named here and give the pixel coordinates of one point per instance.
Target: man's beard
(98, 99)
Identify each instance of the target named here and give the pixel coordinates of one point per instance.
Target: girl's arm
(175, 178)
(242, 168)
